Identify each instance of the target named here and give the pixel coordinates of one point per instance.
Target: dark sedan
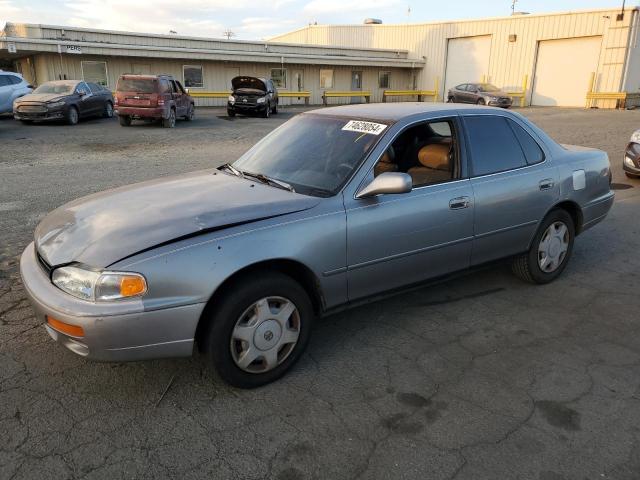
(480, 94)
(68, 100)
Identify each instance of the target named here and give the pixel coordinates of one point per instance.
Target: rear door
(183, 100)
(6, 90)
(514, 185)
(178, 98)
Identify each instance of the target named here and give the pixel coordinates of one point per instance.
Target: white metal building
(43, 52)
(557, 52)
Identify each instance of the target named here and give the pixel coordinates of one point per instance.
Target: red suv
(153, 97)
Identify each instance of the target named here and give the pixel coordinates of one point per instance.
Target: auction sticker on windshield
(364, 127)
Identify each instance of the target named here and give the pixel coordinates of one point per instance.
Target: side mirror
(82, 93)
(387, 182)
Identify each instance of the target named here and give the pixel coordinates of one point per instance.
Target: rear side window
(138, 85)
(494, 147)
(14, 79)
(95, 88)
(4, 80)
(532, 151)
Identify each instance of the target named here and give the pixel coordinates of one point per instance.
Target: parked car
(480, 94)
(631, 163)
(153, 97)
(12, 86)
(336, 206)
(68, 100)
(252, 95)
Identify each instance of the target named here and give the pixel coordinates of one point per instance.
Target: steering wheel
(343, 168)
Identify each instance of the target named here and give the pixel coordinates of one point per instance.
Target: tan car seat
(435, 165)
(386, 162)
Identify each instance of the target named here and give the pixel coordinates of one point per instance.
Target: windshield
(54, 88)
(310, 152)
(487, 87)
(139, 85)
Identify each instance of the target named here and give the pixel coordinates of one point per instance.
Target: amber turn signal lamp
(130, 286)
(73, 330)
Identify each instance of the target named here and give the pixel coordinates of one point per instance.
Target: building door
(356, 85)
(297, 85)
(467, 60)
(563, 71)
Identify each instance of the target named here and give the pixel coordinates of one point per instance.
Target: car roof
(393, 112)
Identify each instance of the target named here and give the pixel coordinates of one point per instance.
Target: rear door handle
(546, 184)
(459, 202)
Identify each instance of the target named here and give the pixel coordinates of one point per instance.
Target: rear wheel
(108, 110)
(26, 122)
(550, 250)
(124, 120)
(259, 329)
(72, 116)
(481, 101)
(450, 100)
(170, 121)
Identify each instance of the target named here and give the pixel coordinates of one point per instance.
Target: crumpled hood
(41, 97)
(103, 228)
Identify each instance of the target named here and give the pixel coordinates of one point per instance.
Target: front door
(356, 85)
(297, 85)
(514, 187)
(399, 239)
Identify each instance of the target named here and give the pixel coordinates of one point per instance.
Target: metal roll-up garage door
(563, 70)
(467, 60)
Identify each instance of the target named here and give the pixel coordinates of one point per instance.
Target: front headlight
(55, 104)
(262, 100)
(232, 99)
(98, 286)
(635, 138)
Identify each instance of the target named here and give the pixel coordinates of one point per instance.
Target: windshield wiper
(270, 181)
(233, 170)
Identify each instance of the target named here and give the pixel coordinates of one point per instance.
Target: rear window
(494, 147)
(530, 147)
(139, 85)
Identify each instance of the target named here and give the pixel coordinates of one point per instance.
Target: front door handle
(459, 202)
(546, 184)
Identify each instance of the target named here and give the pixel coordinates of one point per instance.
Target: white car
(12, 86)
(631, 163)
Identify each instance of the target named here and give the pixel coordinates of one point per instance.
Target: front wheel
(274, 110)
(108, 110)
(267, 111)
(550, 250)
(190, 113)
(481, 102)
(231, 113)
(259, 329)
(72, 116)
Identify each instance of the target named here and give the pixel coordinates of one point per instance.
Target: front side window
(95, 72)
(192, 75)
(532, 151)
(326, 78)
(494, 147)
(384, 79)
(82, 88)
(279, 77)
(313, 153)
(428, 152)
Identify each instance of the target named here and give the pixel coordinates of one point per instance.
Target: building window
(95, 72)
(326, 78)
(279, 77)
(384, 79)
(192, 75)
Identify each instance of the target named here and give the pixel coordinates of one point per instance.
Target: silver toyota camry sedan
(334, 207)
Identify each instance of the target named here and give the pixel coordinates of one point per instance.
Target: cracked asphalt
(483, 377)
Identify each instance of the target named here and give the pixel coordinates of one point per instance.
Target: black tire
(72, 116)
(108, 110)
(26, 122)
(481, 102)
(190, 113)
(267, 111)
(274, 110)
(231, 113)
(527, 266)
(124, 120)
(450, 100)
(631, 175)
(222, 318)
(170, 121)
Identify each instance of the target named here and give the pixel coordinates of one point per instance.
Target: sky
(261, 19)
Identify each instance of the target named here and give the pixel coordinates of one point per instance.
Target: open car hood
(248, 82)
(103, 228)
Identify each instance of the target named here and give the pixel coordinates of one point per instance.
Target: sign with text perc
(73, 49)
(11, 47)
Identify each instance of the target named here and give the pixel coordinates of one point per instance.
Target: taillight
(161, 101)
(115, 101)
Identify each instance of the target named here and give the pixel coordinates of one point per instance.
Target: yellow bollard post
(436, 88)
(525, 80)
(592, 81)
